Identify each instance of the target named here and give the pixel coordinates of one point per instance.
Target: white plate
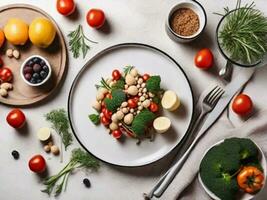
(95, 139)
(241, 196)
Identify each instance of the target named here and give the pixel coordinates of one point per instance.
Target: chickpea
(113, 126)
(128, 119)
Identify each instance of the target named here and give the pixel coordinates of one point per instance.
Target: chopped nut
(140, 108)
(16, 54)
(144, 90)
(3, 92)
(9, 53)
(142, 98)
(47, 148)
(143, 85)
(6, 86)
(55, 149)
(151, 94)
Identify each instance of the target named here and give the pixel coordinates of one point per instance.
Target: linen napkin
(185, 185)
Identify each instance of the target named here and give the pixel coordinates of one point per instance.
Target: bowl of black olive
(35, 70)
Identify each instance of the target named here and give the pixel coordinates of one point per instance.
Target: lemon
(42, 32)
(16, 31)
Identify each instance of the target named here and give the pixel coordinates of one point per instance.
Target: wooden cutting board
(56, 54)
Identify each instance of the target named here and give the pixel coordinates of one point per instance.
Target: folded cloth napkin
(185, 185)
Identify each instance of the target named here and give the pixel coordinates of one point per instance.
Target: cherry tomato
(153, 107)
(117, 133)
(105, 121)
(250, 179)
(132, 103)
(37, 164)
(1, 62)
(16, 118)
(116, 75)
(146, 77)
(6, 74)
(107, 113)
(95, 18)
(65, 7)
(204, 59)
(242, 104)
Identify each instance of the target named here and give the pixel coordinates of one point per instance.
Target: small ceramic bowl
(47, 69)
(198, 9)
(243, 196)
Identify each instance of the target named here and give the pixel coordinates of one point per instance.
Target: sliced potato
(170, 100)
(162, 124)
(44, 134)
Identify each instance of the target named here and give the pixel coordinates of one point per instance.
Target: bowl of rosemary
(242, 36)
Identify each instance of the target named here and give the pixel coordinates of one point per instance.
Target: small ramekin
(198, 9)
(35, 84)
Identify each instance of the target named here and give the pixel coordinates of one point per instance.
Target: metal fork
(207, 105)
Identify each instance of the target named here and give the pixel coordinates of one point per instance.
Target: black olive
(30, 63)
(87, 182)
(39, 80)
(36, 60)
(45, 68)
(36, 76)
(42, 63)
(33, 80)
(15, 154)
(43, 74)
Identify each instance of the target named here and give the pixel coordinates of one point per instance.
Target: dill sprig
(244, 34)
(60, 123)
(79, 159)
(78, 43)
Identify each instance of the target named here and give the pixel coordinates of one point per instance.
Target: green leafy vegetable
(243, 35)
(77, 42)
(118, 96)
(60, 122)
(119, 84)
(153, 84)
(95, 118)
(79, 159)
(141, 121)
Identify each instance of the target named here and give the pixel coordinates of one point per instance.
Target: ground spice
(184, 21)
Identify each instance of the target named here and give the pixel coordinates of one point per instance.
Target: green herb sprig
(95, 118)
(79, 159)
(244, 35)
(127, 70)
(60, 122)
(77, 42)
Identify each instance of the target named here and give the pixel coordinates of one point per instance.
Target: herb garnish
(79, 159)
(243, 35)
(118, 96)
(77, 42)
(60, 122)
(153, 84)
(95, 118)
(141, 122)
(127, 70)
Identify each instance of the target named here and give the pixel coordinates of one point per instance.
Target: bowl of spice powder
(186, 21)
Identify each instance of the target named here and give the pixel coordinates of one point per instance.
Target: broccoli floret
(248, 151)
(217, 168)
(221, 163)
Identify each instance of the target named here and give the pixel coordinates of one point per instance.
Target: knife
(231, 89)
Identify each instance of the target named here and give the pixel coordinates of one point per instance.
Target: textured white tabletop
(128, 21)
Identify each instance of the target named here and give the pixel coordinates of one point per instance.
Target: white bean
(142, 98)
(143, 85)
(99, 96)
(16, 54)
(128, 119)
(134, 72)
(124, 104)
(6, 86)
(9, 53)
(97, 106)
(114, 118)
(130, 80)
(132, 90)
(146, 103)
(140, 81)
(113, 126)
(125, 110)
(119, 114)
